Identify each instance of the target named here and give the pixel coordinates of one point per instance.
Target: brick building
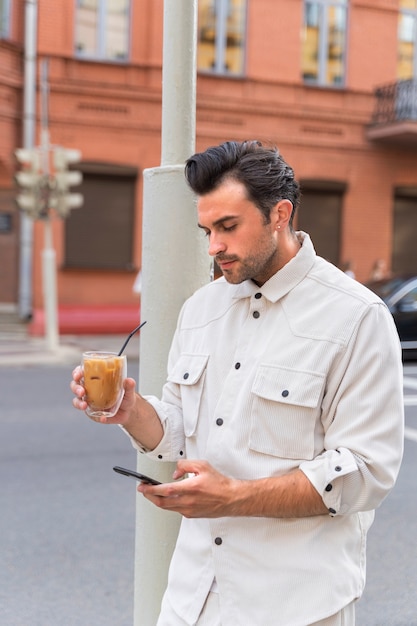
(332, 82)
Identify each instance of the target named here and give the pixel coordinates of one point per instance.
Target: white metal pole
(50, 297)
(49, 288)
(174, 264)
(29, 124)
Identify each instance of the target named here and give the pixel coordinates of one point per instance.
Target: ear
(281, 214)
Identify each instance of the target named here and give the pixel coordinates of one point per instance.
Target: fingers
(190, 466)
(77, 389)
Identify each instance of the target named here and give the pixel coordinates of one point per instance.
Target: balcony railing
(395, 114)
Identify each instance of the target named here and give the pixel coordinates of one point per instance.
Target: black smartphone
(142, 478)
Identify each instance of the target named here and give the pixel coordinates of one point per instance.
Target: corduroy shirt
(303, 372)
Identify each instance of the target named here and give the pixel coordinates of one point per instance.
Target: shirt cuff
(172, 445)
(325, 472)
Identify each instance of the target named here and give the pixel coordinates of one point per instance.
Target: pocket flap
(288, 386)
(188, 369)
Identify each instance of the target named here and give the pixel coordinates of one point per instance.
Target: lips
(224, 265)
(221, 262)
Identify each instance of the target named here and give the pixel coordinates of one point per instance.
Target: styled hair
(265, 175)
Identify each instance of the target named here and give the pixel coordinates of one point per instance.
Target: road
(67, 520)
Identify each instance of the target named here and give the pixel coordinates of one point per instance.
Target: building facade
(333, 83)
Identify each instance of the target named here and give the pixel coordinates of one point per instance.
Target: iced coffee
(104, 373)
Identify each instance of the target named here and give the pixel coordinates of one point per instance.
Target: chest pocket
(286, 409)
(189, 372)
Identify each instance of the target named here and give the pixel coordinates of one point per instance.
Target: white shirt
(303, 372)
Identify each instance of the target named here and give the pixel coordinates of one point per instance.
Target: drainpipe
(174, 264)
(29, 129)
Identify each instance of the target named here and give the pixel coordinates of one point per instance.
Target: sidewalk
(20, 349)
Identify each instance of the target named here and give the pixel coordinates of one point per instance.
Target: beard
(259, 266)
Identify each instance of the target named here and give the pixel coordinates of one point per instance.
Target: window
(319, 215)
(404, 254)
(102, 29)
(324, 42)
(4, 18)
(407, 40)
(99, 235)
(221, 36)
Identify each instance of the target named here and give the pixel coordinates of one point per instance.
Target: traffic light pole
(50, 298)
(49, 288)
(44, 187)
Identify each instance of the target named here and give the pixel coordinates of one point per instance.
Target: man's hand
(135, 414)
(126, 408)
(205, 493)
(208, 493)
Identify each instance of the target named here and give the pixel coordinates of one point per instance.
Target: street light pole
(174, 264)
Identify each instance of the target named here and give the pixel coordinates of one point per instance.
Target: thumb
(129, 384)
(188, 466)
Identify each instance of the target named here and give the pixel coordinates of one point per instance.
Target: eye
(228, 229)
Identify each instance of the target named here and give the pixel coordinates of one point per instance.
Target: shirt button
(332, 511)
(159, 456)
(256, 314)
(181, 453)
(219, 421)
(337, 468)
(258, 295)
(186, 375)
(329, 487)
(237, 365)
(218, 541)
(285, 393)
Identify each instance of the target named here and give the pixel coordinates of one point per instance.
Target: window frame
(100, 54)
(5, 12)
(220, 47)
(410, 12)
(323, 43)
(78, 222)
(334, 193)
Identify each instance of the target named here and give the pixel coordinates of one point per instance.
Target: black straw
(130, 336)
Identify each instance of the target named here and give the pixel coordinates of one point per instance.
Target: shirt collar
(286, 278)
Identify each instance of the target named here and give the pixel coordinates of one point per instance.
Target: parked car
(400, 295)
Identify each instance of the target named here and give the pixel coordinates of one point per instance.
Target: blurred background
(333, 83)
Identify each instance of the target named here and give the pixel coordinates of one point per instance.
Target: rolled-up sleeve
(363, 418)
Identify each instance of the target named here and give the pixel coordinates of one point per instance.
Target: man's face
(243, 245)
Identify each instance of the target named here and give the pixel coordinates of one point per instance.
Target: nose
(215, 244)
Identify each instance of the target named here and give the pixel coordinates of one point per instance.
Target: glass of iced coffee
(104, 373)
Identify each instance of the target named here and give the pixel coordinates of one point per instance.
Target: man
(283, 409)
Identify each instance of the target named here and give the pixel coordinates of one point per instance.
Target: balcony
(395, 117)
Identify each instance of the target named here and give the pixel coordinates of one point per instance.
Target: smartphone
(147, 480)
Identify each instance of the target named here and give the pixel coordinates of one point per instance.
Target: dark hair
(262, 170)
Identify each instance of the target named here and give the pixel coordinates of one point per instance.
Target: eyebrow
(219, 221)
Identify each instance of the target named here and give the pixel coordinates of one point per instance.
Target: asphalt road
(67, 520)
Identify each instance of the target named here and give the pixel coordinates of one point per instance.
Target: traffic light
(63, 179)
(32, 183)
